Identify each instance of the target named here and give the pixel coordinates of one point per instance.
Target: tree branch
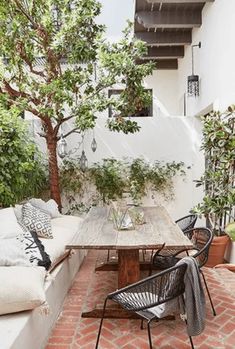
(17, 94)
(22, 10)
(70, 132)
(23, 55)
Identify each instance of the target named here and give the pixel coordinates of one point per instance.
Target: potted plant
(230, 231)
(218, 179)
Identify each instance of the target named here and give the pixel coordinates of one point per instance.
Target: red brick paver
(89, 289)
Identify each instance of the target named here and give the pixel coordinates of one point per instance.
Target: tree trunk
(53, 169)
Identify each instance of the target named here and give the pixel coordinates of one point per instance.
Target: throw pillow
(12, 253)
(50, 207)
(21, 288)
(34, 249)
(18, 212)
(9, 225)
(36, 220)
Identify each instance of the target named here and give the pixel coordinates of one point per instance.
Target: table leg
(128, 267)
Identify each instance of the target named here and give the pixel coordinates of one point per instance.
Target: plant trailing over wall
(156, 177)
(67, 32)
(109, 179)
(114, 178)
(21, 171)
(219, 178)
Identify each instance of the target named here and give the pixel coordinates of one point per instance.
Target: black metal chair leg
(142, 324)
(191, 342)
(108, 255)
(190, 338)
(149, 335)
(208, 292)
(101, 323)
(183, 304)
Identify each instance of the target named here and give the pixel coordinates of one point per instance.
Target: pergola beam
(169, 19)
(161, 64)
(166, 37)
(165, 52)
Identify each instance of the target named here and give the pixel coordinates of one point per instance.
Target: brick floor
(89, 289)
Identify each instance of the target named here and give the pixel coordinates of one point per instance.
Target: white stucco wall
(161, 138)
(214, 62)
(114, 16)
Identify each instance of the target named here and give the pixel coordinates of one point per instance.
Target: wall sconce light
(193, 80)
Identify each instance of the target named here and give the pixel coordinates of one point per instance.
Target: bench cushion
(21, 288)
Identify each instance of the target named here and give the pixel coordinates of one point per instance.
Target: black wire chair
(147, 293)
(201, 239)
(187, 222)
(184, 223)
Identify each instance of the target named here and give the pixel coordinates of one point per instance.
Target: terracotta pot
(217, 250)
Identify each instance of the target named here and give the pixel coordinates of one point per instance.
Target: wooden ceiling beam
(166, 37)
(161, 64)
(165, 52)
(169, 19)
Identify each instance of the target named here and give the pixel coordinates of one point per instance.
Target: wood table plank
(98, 232)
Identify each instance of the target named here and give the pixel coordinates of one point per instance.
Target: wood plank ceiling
(166, 26)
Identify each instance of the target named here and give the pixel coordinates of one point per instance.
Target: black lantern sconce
(193, 80)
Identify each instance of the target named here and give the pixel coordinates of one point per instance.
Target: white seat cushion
(63, 230)
(70, 222)
(21, 288)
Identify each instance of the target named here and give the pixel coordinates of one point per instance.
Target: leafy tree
(65, 31)
(21, 171)
(218, 180)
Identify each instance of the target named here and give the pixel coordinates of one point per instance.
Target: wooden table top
(98, 232)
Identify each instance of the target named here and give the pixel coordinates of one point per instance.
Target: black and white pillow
(37, 221)
(34, 249)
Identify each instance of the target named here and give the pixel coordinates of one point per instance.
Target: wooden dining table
(97, 232)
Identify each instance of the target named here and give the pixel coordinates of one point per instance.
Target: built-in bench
(30, 329)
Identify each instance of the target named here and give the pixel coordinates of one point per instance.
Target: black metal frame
(147, 293)
(201, 238)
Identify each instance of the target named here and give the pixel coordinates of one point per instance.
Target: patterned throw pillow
(34, 249)
(36, 220)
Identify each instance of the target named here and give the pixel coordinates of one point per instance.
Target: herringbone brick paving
(89, 289)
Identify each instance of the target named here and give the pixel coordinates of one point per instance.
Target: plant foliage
(21, 171)
(113, 178)
(219, 178)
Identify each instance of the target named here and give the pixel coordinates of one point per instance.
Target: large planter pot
(217, 250)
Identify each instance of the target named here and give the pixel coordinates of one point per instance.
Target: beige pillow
(50, 206)
(9, 227)
(21, 288)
